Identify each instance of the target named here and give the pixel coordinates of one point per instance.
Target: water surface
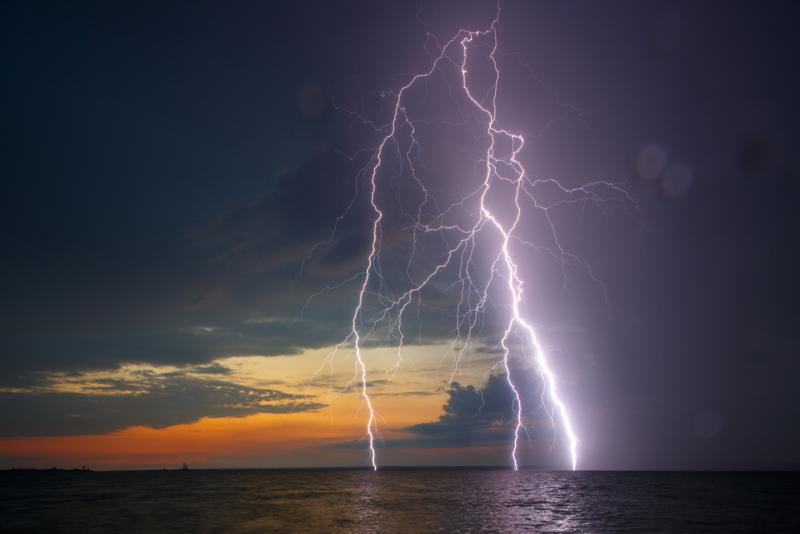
(398, 501)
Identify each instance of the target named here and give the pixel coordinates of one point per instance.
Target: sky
(169, 170)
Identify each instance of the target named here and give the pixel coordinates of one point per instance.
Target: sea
(401, 500)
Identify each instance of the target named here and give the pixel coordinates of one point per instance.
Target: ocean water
(414, 501)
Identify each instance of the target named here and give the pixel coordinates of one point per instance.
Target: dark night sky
(168, 166)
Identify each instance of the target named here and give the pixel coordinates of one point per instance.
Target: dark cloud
(148, 399)
(371, 384)
(279, 228)
(404, 394)
(473, 414)
(109, 253)
(484, 415)
(212, 369)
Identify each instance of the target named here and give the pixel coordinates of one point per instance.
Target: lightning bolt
(498, 168)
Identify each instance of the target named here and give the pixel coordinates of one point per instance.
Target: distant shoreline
(793, 469)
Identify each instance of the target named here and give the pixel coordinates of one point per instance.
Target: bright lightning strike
(499, 168)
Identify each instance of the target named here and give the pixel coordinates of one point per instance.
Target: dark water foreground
(398, 501)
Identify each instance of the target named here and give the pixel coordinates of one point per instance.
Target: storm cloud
(144, 399)
(476, 416)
